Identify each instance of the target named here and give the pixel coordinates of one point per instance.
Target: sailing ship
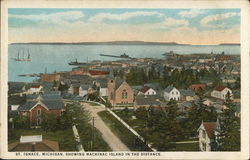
(22, 59)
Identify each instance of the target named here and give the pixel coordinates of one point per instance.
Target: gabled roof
(118, 82)
(35, 86)
(219, 88)
(84, 86)
(145, 89)
(187, 92)
(169, 89)
(147, 100)
(209, 128)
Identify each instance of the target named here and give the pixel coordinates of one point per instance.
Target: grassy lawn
(128, 138)
(186, 147)
(139, 126)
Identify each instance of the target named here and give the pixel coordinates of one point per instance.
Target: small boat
(77, 63)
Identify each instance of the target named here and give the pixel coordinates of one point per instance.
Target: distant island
(227, 44)
(113, 43)
(105, 43)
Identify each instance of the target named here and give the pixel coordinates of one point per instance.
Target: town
(182, 102)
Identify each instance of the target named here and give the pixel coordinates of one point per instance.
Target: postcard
(124, 79)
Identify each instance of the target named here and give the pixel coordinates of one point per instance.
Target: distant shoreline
(116, 43)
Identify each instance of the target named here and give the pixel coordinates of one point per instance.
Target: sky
(184, 26)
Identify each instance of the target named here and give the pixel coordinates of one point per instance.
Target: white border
(244, 5)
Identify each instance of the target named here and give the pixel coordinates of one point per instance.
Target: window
(111, 81)
(124, 94)
(111, 96)
(39, 112)
(176, 92)
(172, 92)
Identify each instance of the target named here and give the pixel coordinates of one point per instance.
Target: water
(56, 57)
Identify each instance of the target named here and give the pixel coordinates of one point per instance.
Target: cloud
(191, 13)
(51, 18)
(120, 17)
(170, 22)
(218, 18)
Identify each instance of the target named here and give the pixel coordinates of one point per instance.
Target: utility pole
(93, 135)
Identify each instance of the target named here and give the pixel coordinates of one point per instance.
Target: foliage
(49, 122)
(200, 112)
(126, 136)
(229, 133)
(63, 87)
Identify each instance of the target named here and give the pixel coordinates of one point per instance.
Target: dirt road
(113, 141)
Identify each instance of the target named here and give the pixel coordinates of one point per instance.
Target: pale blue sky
(204, 26)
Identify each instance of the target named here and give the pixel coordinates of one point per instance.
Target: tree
(21, 122)
(49, 122)
(200, 112)
(229, 133)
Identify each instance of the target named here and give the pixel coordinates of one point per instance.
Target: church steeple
(111, 74)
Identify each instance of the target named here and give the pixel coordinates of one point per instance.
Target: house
(207, 135)
(74, 89)
(119, 92)
(50, 77)
(198, 87)
(35, 89)
(187, 95)
(33, 143)
(171, 93)
(147, 91)
(184, 106)
(83, 90)
(221, 92)
(101, 86)
(147, 100)
(98, 74)
(37, 104)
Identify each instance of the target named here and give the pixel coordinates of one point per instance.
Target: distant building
(187, 95)
(33, 143)
(35, 89)
(101, 86)
(171, 93)
(198, 87)
(147, 100)
(37, 104)
(147, 91)
(207, 135)
(83, 90)
(98, 74)
(221, 92)
(50, 77)
(74, 89)
(119, 92)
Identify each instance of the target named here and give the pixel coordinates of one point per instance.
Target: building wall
(33, 114)
(111, 91)
(221, 94)
(104, 92)
(150, 92)
(174, 94)
(83, 92)
(118, 94)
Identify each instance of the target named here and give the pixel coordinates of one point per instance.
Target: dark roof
(187, 92)
(84, 87)
(219, 88)
(45, 145)
(186, 104)
(169, 89)
(209, 128)
(103, 82)
(50, 100)
(118, 82)
(142, 100)
(145, 89)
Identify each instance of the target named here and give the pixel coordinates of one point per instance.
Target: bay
(56, 57)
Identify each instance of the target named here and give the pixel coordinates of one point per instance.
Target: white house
(171, 93)
(83, 90)
(207, 135)
(101, 86)
(35, 89)
(147, 91)
(221, 92)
